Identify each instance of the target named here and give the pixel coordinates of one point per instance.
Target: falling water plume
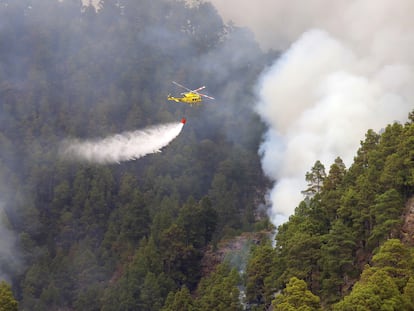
(122, 147)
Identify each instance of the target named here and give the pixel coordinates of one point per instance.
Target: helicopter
(191, 97)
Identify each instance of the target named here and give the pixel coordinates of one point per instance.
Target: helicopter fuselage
(188, 98)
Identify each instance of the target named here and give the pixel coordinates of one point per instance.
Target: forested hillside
(79, 236)
(342, 249)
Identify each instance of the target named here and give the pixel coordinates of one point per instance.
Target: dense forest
(80, 236)
(349, 244)
(134, 235)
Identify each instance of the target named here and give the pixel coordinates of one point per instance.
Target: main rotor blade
(193, 91)
(209, 97)
(178, 84)
(199, 89)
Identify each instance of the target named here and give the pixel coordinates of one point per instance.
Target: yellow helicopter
(191, 97)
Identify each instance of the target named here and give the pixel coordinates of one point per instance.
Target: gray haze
(10, 260)
(347, 67)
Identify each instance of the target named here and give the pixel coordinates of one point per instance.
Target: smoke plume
(122, 147)
(347, 67)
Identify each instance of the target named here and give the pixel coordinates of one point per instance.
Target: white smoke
(121, 147)
(348, 67)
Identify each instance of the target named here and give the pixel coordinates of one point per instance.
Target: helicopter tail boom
(173, 98)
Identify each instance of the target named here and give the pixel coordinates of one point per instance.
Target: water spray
(122, 147)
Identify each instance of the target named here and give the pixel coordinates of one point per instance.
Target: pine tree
(296, 296)
(7, 300)
(219, 291)
(260, 281)
(408, 295)
(375, 291)
(180, 300)
(315, 179)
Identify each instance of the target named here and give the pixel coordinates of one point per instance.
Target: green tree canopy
(219, 291)
(296, 296)
(7, 300)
